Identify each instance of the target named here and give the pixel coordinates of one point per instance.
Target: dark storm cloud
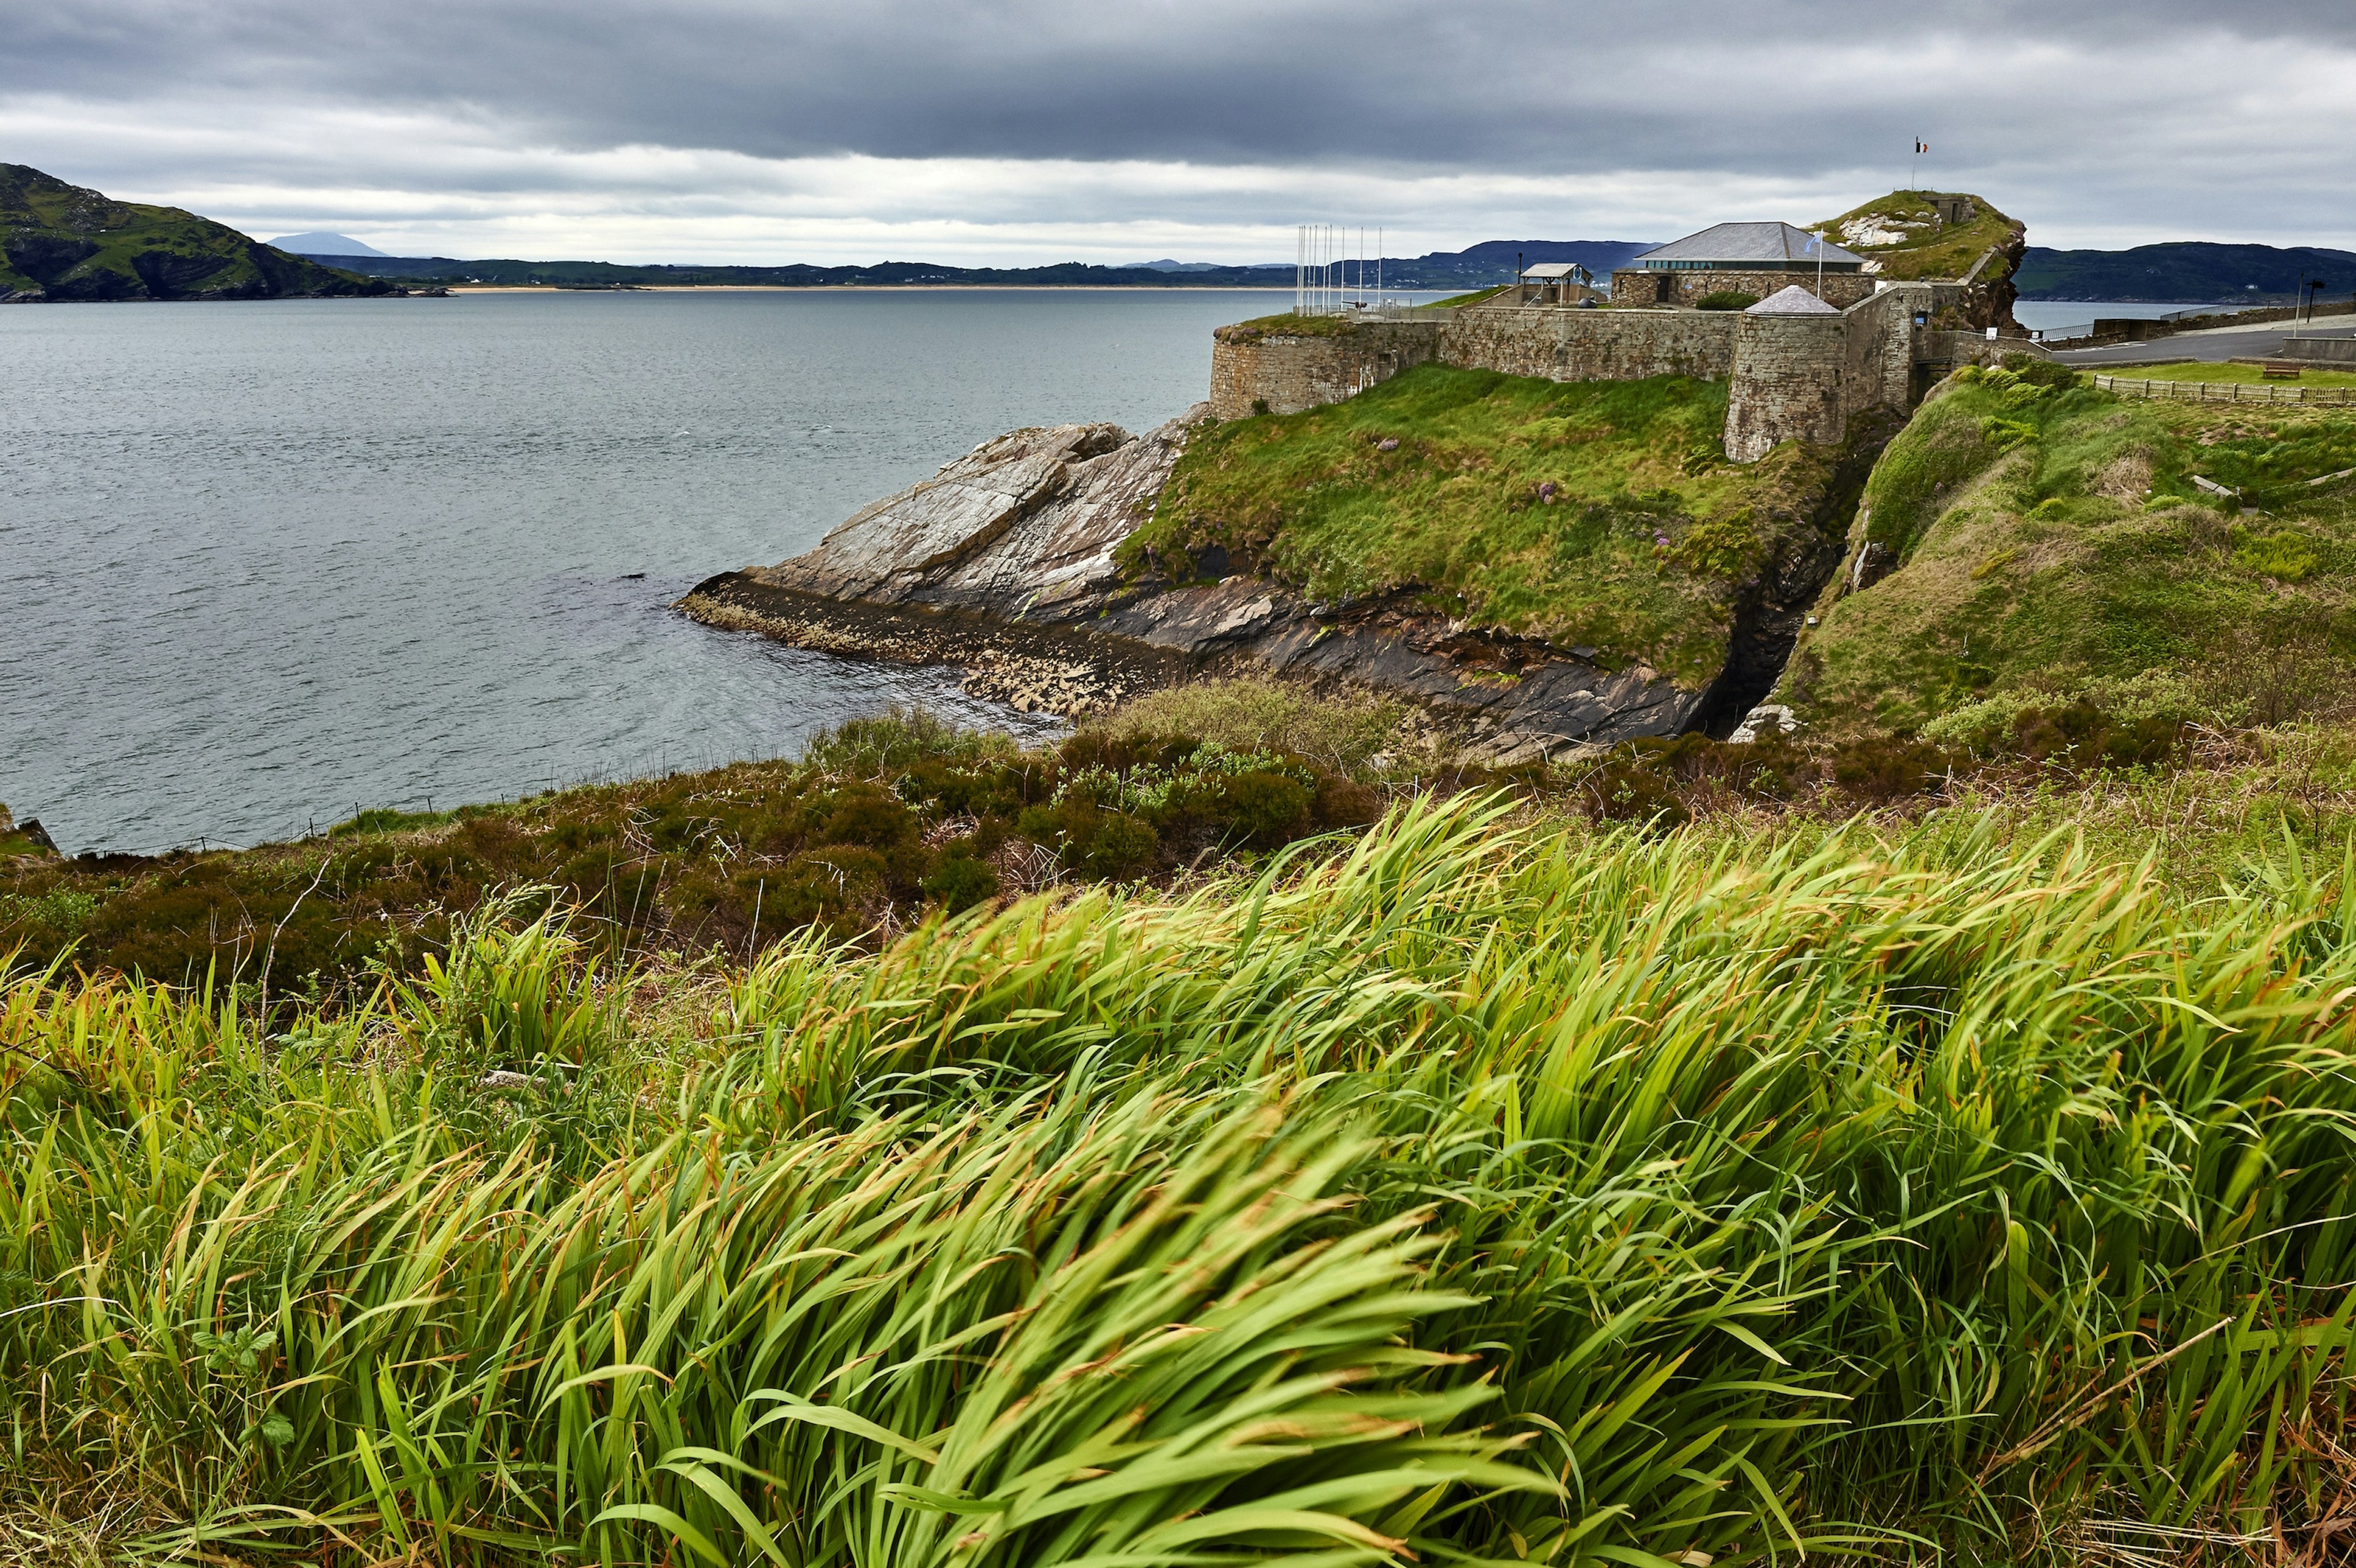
(1784, 85)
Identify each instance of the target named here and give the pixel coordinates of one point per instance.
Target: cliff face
(59, 242)
(1010, 562)
(1990, 295)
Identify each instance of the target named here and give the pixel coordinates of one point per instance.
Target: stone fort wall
(1254, 370)
(1803, 377)
(1589, 345)
(1791, 377)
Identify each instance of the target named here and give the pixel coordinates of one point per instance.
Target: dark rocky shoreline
(1514, 699)
(1003, 564)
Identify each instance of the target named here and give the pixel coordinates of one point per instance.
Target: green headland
(59, 242)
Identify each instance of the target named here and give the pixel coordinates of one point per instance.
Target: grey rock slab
(1024, 525)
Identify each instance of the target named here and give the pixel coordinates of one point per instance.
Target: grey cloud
(2171, 115)
(1215, 82)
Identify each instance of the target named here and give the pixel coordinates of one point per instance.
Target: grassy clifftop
(1593, 514)
(2050, 539)
(1914, 234)
(59, 242)
(1907, 233)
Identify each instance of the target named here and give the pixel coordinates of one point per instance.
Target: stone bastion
(1792, 377)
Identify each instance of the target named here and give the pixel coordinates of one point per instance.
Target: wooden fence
(2224, 392)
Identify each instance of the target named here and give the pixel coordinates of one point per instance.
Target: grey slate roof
(1748, 242)
(1793, 300)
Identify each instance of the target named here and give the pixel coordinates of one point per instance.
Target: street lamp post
(2309, 291)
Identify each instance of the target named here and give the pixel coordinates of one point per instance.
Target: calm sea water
(262, 563)
(2044, 315)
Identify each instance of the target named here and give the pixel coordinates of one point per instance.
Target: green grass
(1597, 514)
(2243, 375)
(1479, 1197)
(1933, 249)
(2051, 539)
(1357, 739)
(1286, 324)
(1475, 297)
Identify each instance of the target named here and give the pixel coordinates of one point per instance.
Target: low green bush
(887, 818)
(1353, 736)
(1726, 299)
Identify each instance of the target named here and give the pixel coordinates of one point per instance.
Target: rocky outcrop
(1023, 527)
(1005, 563)
(1990, 289)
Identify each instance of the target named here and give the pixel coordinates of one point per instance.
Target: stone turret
(1803, 369)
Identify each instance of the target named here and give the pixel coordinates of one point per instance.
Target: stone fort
(1825, 342)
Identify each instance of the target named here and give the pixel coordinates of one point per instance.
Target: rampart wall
(1589, 345)
(1254, 370)
(1878, 355)
(1792, 377)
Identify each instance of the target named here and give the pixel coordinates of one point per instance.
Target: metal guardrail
(2224, 392)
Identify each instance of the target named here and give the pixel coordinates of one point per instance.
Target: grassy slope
(46, 225)
(1569, 1201)
(1933, 249)
(1458, 511)
(2241, 375)
(2050, 538)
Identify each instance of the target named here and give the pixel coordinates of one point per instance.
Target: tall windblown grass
(1462, 1195)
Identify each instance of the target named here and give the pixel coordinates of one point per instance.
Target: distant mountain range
(2187, 271)
(2183, 271)
(1478, 267)
(320, 243)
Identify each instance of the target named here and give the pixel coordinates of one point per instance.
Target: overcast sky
(1044, 130)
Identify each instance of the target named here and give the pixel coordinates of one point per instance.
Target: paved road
(2215, 345)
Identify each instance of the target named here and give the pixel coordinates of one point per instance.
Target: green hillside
(2050, 542)
(1590, 513)
(59, 242)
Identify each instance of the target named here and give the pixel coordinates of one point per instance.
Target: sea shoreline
(869, 288)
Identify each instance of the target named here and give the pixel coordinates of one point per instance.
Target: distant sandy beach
(865, 288)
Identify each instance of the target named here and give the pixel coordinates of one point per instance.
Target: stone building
(1754, 259)
(1557, 283)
